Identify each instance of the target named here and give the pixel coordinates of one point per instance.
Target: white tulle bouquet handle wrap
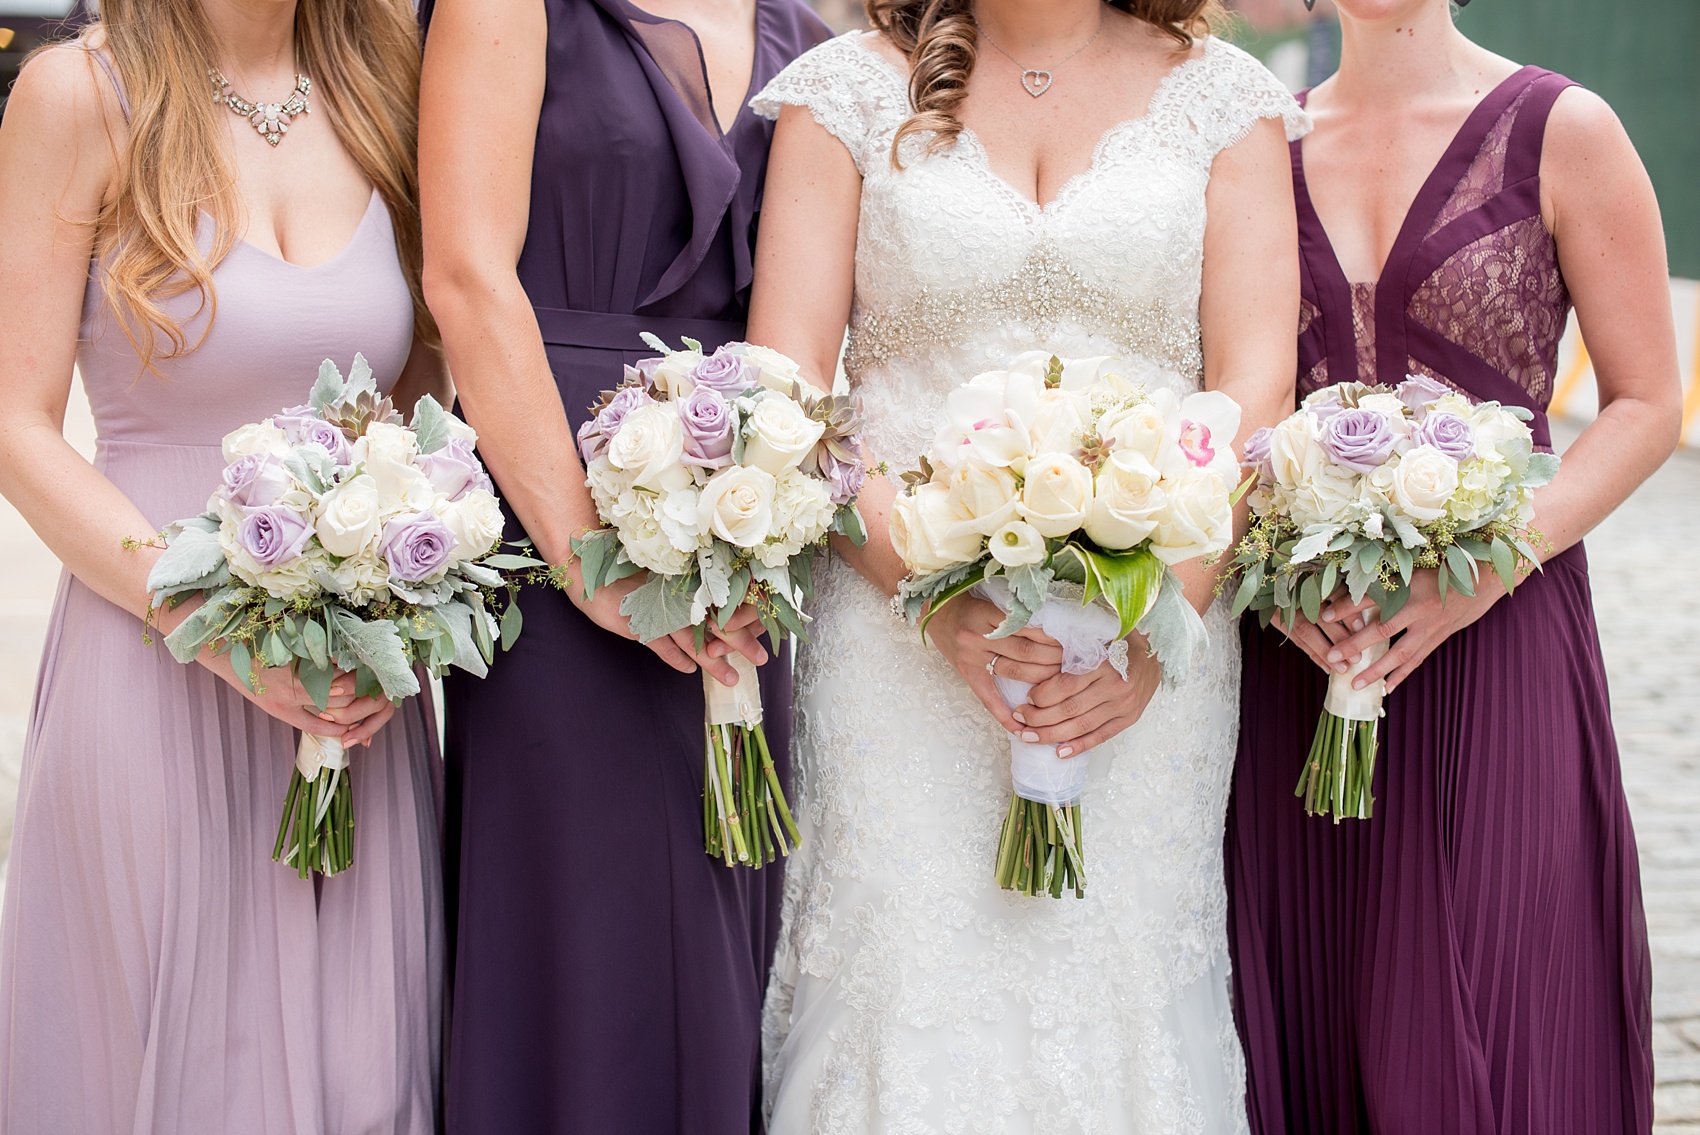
(1087, 635)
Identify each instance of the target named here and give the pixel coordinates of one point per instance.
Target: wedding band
(992, 666)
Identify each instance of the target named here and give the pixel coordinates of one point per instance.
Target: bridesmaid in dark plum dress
(1474, 958)
(589, 173)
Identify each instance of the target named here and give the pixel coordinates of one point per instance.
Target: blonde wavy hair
(941, 41)
(363, 57)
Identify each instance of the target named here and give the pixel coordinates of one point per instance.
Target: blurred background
(1643, 56)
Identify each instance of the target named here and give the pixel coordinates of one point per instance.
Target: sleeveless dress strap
(1528, 135)
(111, 70)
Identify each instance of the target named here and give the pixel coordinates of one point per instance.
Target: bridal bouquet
(340, 540)
(1361, 487)
(722, 476)
(1064, 492)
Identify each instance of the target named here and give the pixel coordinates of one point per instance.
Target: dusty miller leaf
(377, 645)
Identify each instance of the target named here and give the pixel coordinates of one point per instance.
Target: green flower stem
(1040, 850)
(1340, 770)
(746, 819)
(316, 832)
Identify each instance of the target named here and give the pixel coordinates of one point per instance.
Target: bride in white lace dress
(910, 994)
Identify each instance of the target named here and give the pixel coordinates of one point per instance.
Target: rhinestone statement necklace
(271, 119)
(1037, 80)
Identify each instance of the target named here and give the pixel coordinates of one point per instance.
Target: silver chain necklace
(271, 119)
(1037, 80)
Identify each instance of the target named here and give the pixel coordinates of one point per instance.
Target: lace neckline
(980, 159)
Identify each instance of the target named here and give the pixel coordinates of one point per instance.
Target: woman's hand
(1316, 641)
(345, 718)
(1422, 624)
(1077, 712)
(679, 649)
(959, 632)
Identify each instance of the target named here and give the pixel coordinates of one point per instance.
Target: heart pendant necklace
(1037, 80)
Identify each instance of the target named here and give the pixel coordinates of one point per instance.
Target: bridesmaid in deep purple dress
(590, 172)
(1473, 959)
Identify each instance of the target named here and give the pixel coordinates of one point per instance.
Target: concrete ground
(1649, 612)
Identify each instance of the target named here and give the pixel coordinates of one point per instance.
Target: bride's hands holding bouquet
(960, 631)
(1079, 712)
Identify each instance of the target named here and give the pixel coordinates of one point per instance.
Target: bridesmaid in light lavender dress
(159, 972)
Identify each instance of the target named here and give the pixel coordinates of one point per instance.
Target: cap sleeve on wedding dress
(1218, 97)
(856, 95)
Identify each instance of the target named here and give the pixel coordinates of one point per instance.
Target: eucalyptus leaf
(1463, 569)
(316, 680)
(1310, 598)
(1393, 602)
(1250, 584)
(512, 623)
(847, 522)
(314, 639)
(1504, 562)
(204, 623)
(242, 661)
(506, 562)
(457, 618)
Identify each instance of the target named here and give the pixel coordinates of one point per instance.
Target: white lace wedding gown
(910, 994)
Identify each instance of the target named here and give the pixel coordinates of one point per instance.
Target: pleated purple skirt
(1473, 959)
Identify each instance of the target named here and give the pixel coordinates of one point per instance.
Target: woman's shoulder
(848, 85)
(66, 100)
(1221, 91)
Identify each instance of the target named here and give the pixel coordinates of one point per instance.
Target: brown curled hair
(941, 42)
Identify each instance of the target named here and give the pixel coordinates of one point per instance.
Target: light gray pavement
(1649, 609)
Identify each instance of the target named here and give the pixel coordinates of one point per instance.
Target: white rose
(261, 437)
(1199, 520)
(927, 532)
(1057, 495)
(1136, 429)
(777, 372)
(986, 497)
(1387, 405)
(779, 434)
(1423, 482)
(401, 488)
(1496, 429)
(1295, 454)
(388, 442)
(459, 430)
(348, 518)
(737, 505)
(671, 373)
(1017, 544)
(476, 521)
(649, 445)
(1126, 502)
(1057, 422)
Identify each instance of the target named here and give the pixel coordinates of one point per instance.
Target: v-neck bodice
(1471, 292)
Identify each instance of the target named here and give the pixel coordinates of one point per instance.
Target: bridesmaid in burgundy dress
(589, 172)
(1473, 959)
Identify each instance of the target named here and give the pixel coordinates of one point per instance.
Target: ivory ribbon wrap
(318, 753)
(1085, 633)
(733, 705)
(1357, 705)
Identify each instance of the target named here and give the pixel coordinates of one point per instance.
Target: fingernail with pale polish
(1015, 713)
(1066, 751)
(1334, 656)
(1359, 684)
(1030, 737)
(1339, 667)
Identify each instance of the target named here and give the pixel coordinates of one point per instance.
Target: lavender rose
(331, 438)
(707, 419)
(273, 535)
(1257, 454)
(1419, 390)
(594, 435)
(843, 478)
(416, 545)
(1325, 403)
(254, 480)
(1359, 440)
(453, 469)
(727, 374)
(1449, 433)
(291, 421)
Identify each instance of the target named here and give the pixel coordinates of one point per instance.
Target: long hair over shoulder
(941, 42)
(363, 58)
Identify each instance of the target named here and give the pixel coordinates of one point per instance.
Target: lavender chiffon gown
(1474, 959)
(160, 975)
(608, 975)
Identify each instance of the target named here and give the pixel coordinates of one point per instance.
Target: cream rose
(671, 374)
(737, 505)
(1017, 544)
(1136, 429)
(985, 496)
(1423, 482)
(649, 445)
(779, 434)
(1126, 502)
(256, 438)
(1199, 520)
(1057, 495)
(928, 534)
(476, 521)
(1057, 422)
(348, 517)
(775, 371)
(1295, 454)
